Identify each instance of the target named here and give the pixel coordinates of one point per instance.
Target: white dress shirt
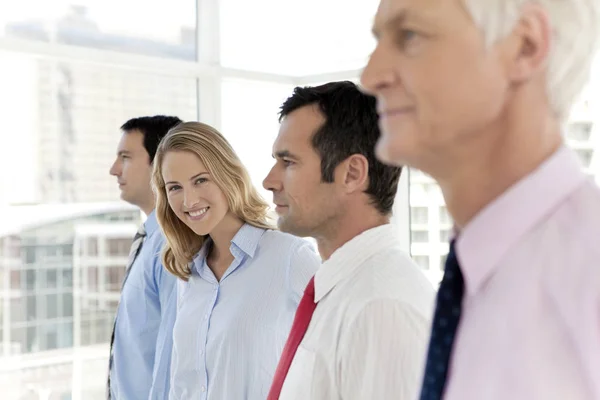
(368, 335)
(530, 325)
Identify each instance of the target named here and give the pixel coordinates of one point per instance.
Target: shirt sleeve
(382, 356)
(167, 295)
(304, 262)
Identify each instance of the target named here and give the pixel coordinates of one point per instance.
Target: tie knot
(141, 231)
(451, 260)
(453, 280)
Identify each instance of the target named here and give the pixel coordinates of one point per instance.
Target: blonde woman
(240, 281)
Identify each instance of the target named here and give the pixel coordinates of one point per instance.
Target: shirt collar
(485, 240)
(246, 239)
(245, 242)
(151, 224)
(350, 256)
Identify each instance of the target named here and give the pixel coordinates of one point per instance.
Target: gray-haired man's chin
(384, 153)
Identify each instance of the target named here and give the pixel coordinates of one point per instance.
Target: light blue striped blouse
(228, 335)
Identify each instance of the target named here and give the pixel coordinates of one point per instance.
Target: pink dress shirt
(530, 327)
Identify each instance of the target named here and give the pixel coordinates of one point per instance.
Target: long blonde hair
(230, 175)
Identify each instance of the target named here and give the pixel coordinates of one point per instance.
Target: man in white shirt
(474, 93)
(367, 336)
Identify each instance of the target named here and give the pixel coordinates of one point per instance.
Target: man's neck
(496, 162)
(147, 207)
(347, 228)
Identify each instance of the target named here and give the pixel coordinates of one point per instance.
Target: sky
(142, 18)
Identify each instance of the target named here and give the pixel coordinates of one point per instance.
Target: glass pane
(296, 37)
(445, 217)
(429, 222)
(113, 277)
(419, 236)
(429, 213)
(52, 306)
(67, 278)
(119, 247)
(163, 29)
(51, 278)
(419, 215)
(32, 302)
(585, 156)
(250, 122)
(73, 111)
(17, 310)
(579, 131)
(445, 236)
(62, 222)
(422, 261)
(67, 305)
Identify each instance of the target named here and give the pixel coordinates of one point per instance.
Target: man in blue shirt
(141, 343)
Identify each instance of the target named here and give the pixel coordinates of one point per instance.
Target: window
(445, 236)
(445, 216)
(76, 120)
(422, 261)
(51, 340)
(67, 305)
(166, 30)
(18, 338)
(17, 310)
(31, 304)
(579, 131)
(249, 109)
(419, 236)
(113, 277)
(341, 49)
(92, 278)
(30, 255)
(79, 73)
(67, 278)
(15, 278)
(443, 262)
(119, 247)
(51, 278)
(585, 156)
(92, 247)
(419, 215)
(52, 306)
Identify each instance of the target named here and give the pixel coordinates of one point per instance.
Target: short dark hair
(153, 128)
(351, 127)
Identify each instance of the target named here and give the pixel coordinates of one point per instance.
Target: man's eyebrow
(284, 154)
(397, 20)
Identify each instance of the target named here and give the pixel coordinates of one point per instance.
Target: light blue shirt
(145, 319)
(229, 334)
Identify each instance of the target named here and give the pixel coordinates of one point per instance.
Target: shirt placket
(205, 326)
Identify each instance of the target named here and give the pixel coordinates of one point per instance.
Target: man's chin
(284, 225)
(287, 226)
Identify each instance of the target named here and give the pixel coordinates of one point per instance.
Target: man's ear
(354, 173)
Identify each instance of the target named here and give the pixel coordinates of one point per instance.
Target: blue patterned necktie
(445, 322)
(136, 246)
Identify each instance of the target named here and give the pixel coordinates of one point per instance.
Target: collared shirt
(230, 333)
(530, 327)
(144, 325)
(368, 335)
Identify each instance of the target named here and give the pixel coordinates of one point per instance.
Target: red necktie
(305, 310)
